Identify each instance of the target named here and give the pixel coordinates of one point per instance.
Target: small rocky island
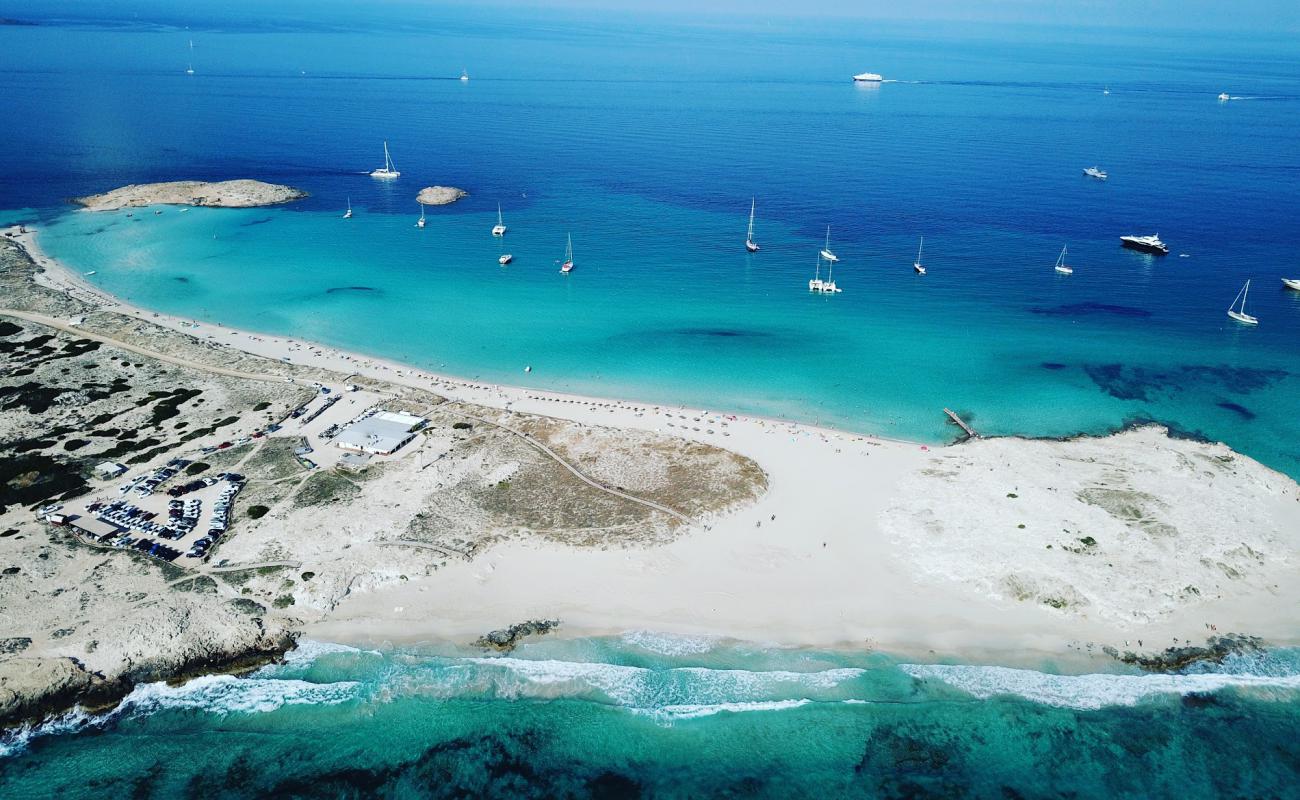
(242, 193)
(440, 195)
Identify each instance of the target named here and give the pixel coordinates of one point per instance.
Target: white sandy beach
(820, 559)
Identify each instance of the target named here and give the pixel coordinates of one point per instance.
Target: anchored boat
(1061, 266)
(749, 237)
(388, 170)
(499, 229)
(1241, 315)
(1147, 244)
(567, 266)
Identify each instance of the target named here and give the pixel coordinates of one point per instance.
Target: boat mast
(388, 160)
(499, 222)
(918, 250)
(749, 237)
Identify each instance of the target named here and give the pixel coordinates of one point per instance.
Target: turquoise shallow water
(649, 715)
(646, 138)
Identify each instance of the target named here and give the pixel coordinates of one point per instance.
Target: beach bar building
(382, 433)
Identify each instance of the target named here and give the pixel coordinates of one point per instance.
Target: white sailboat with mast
(499, 229)
(1061, 266)
(1241, 315)
(826, 251)
(189, 68)
(567, 266)
(916, 265)
(419, 223)
(389, 170)
(749, 237)
(348, 214)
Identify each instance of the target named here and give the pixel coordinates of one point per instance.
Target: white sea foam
(15, 740)
(667, 644)
(639, 687)
(226, 694)
(695, 710)
(1090, 691)
(308, 650)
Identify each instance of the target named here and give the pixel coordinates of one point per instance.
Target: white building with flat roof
(382, 433)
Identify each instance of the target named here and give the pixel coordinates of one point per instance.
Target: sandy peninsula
(516, 504)
(440, 195)
(222, 194)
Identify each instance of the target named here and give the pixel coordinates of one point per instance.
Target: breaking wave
(1096, 691)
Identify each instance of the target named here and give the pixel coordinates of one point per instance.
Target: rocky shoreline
(56, 686)
(242, 193)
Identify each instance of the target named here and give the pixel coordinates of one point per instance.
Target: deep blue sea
(646, 138)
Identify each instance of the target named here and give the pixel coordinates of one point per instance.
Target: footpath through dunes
(242, 193)
(82, 386)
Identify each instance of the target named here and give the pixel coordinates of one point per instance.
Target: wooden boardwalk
(961, 424)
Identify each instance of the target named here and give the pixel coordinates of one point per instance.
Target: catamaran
(824, 286)
(920, 270)
(1061, 266)
(1241, 316)
(567, 266)
(1292, 283)
(189, 68)
(419, 223)
(348, 214)
(499, 229)
(387, 171)
(749, 237)
(826, 251)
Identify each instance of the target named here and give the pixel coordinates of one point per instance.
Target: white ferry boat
(868, 77)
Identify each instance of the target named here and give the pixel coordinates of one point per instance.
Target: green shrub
(196, 468)
(257, 512)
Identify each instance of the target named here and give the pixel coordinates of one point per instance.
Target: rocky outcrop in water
(1173, 659)
(505, 640)
(440, 195)
(221, 194)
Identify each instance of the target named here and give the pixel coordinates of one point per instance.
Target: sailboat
(499, 229)
(826, 251)
(567, 266)
(920, 270)
(387, 171)
(464, 74)
(1241, 316)
(1061, 266)
(189, 68)
(419, 223)
(348, 214)
(749, 237)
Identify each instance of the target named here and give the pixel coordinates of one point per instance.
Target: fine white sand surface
(862, 541)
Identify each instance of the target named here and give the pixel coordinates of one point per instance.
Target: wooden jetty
(961, 424)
